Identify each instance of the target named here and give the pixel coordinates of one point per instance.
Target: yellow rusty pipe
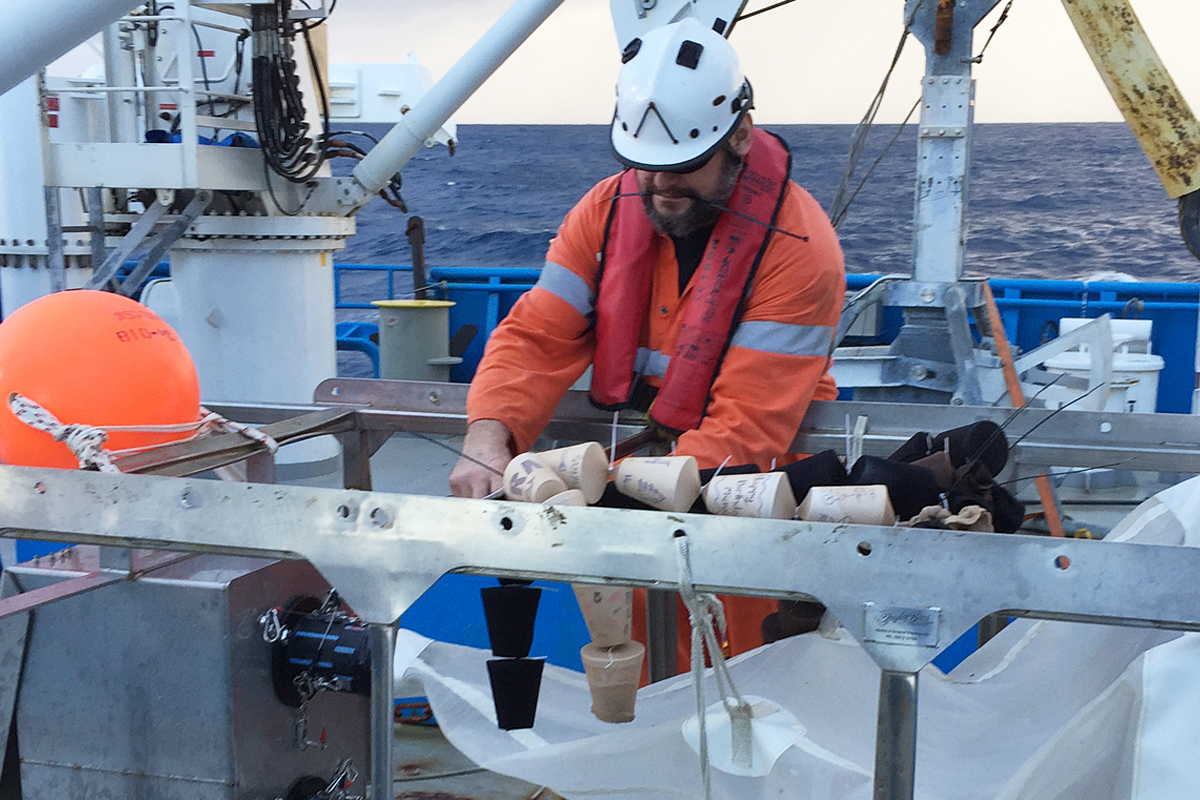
(1139, 83)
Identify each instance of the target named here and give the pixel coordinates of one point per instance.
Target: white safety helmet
(680, 96)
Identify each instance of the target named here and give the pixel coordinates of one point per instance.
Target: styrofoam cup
(859, 505)
(766, 494)
(582, 466)
(607, 611)
(571, 497)
(613, 674)
(527, 479)
(668, 483)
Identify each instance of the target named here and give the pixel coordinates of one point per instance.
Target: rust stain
(1142, 88)
(412, 769)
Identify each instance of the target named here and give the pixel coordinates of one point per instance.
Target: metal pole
(28, 42)
(444, 98)
(119, 70)
(662, 623)
(190, 144)
(896, 736)
(383, 648)
(55, 259)
(95, 203)
(416, 243)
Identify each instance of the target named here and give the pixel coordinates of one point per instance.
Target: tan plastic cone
(859, 505)
(613, 674)
(767, 495)
(571, 497)
(608, 612)
(582, 466)
(527, 479)
(669, 483)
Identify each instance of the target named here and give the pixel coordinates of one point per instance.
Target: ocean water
(1062, 201)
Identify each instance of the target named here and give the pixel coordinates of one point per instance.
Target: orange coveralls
(773, 367)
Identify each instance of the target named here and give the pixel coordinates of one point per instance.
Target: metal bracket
(106, 272)
(168, 237)
(967, 389)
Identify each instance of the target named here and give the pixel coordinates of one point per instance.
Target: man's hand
(487, 449)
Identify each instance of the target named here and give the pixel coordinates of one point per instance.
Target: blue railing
(1030, 310)
(387, 270)
(482, 297)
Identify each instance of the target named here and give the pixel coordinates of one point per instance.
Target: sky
(813, 61)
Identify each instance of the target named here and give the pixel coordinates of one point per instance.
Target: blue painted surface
(29, 549)
(356, 337)
(481, 297)
(1031, 310)
(452, 611)
(962, 647)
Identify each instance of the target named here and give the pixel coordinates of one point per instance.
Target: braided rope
(86, 442)
(707, 616)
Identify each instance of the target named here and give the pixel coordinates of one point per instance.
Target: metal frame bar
(1151, 442)
(384, 550)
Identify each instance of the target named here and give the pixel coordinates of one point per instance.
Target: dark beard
(702, 212)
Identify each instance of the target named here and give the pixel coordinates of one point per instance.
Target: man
(701, 283)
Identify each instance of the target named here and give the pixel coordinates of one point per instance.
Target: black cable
(364, 134)
(239, 59)
(837, 209)
(284, 133)
(212, 108)
(319, 81)
(996, 27)
(840, 215)
(771, 7)
(152, 27)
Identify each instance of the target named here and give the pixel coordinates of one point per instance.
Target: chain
(300, 730)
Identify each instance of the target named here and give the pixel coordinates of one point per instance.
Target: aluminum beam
(904, 594)
(1153, 442)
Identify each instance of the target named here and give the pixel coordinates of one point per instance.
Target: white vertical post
(119, 71)
(185, 45)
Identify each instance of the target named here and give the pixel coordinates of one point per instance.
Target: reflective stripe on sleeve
(563, 283)
(782, 338)
(651, 362)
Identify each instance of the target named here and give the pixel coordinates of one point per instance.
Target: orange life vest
(722, 282)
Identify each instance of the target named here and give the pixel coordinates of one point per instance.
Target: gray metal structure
(933, 357)
(160, 684)
(903, 594)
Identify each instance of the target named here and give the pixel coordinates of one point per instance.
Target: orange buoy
(92, 358)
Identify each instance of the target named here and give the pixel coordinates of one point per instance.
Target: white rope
(707, 616)
(86, 442)
(248, 431)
